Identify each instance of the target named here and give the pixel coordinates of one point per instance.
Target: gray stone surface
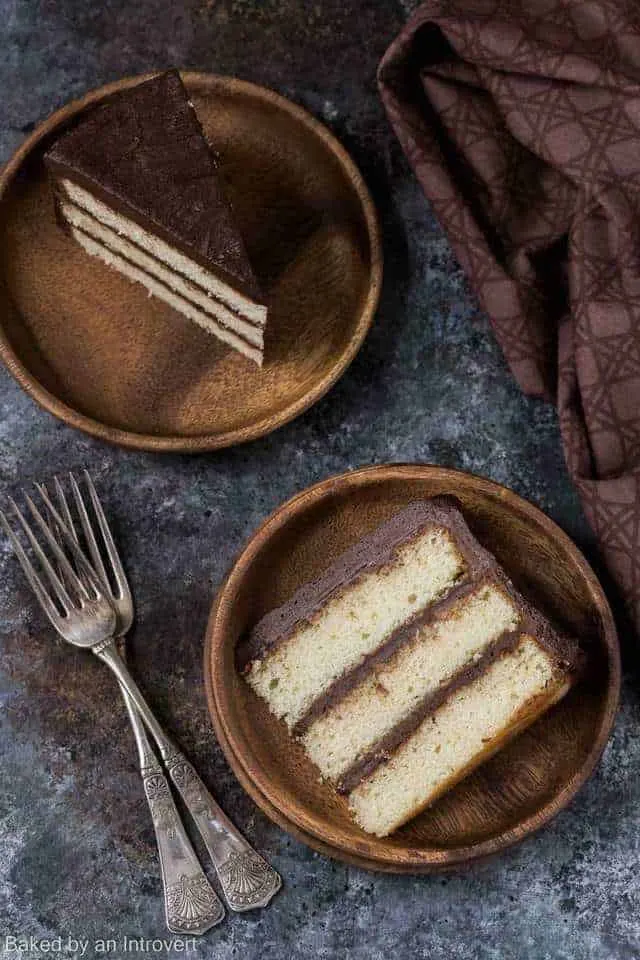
(77, 857)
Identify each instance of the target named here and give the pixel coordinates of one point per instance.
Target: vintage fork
(89, 620)
(191, 904)
(246, 879)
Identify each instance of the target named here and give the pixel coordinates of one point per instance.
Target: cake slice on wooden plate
(137, 186)
(407, 663)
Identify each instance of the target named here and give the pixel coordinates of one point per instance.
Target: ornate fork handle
(247, 880)
(191, 904)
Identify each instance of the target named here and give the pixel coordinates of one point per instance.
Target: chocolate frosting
(143, 153)
(372, 552)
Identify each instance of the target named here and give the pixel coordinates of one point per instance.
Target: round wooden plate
(92, 347)
(510, 796)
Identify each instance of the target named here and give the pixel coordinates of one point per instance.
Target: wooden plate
(512, 795)
(96, 351)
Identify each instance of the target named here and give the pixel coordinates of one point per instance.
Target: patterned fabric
(521, 119)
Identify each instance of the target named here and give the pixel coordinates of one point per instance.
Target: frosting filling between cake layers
(136, 256)
(446, 745)
(434, 651)
(159, 289)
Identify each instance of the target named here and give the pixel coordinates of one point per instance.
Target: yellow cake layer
(430, 657)
(356, 622)
(97, 249)
(475, 721)
(124, 226)
(164, 273)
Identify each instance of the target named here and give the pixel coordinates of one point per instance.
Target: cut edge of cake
(385, 689)
(97, 217)
(161, 290)
(399, 788)
(359, 714)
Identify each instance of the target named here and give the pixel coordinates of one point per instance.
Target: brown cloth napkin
(521, 119)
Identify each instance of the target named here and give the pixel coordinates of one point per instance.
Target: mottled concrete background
(77, 856)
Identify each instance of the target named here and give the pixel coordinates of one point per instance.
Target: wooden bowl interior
(519, 788)
(99, 345)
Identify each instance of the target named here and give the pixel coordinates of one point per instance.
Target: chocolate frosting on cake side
(373, 551)
(143, 153)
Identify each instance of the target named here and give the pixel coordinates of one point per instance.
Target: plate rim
(396, 859)
(182, 443)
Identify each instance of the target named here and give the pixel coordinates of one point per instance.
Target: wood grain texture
(95, 350)
(519, 789)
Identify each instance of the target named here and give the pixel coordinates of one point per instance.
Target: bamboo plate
(96, 351)
(510, 796)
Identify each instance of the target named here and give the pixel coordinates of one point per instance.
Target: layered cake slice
(407, 663)
(137, 186)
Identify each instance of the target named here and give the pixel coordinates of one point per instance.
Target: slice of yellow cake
(407, 663)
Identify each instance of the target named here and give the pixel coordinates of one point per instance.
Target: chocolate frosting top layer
(370, 553)
(143, 152)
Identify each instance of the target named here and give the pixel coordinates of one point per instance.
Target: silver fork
(89, 620)
(191, 904)
(246, 879)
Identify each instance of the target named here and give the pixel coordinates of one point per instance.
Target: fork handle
(191, 904)
(247, 880)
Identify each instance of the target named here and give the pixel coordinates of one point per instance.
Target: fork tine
(55, 529)
(107, 536)
(56, 549)
(89, 535)
(53, 578)
(64, 508)
(63, 505)
(66, 515)
(71, 541)
(30, 573)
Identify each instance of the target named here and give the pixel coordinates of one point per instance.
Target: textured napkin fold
(521, 119)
